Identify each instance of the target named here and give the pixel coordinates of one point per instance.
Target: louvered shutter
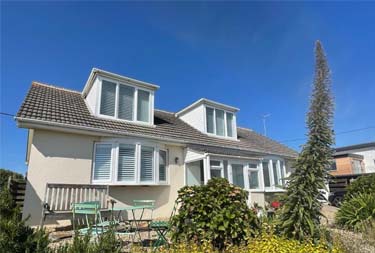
(102, 169)
(147, 161)
(126, 163)
(126, 102)
(162, 165)
(108, 98)
(143, 107)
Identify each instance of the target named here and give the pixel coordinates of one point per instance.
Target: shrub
(216, 212)
(15, 236)
(356, 210)
(264, 243)
(363, 184)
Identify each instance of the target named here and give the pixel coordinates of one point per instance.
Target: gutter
(35, 123)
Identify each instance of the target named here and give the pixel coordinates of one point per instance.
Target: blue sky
(255, 56)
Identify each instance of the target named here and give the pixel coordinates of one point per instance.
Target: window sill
(130, 184)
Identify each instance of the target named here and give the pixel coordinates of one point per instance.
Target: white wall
(195, 118)
(368, 159)
(93, 97)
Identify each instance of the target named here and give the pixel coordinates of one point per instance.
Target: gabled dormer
(117, 97)
(212, 118)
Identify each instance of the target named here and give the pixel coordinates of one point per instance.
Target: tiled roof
(53, 105)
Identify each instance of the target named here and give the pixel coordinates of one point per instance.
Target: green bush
(216, 212)
(5, 174)
(15, 235)
(104, 243)
(356, 211)
(363, 184)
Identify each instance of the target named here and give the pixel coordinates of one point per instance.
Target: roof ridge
(54, 87)
(245, 128)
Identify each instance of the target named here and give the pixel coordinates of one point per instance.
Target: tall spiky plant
(300, 215)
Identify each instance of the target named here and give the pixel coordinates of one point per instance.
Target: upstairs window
(219, 122)
(125, 102)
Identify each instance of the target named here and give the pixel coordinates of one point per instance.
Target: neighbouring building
(111, 134)
(354, 159)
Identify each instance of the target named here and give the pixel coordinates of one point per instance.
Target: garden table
(134, 219)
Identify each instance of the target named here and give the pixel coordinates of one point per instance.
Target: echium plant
(300, 215)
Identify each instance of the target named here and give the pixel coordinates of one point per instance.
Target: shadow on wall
(32, 207)
(125, 195)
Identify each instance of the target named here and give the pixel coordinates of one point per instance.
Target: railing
(58, 198)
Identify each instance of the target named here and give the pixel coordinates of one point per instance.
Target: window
(282, 173)
(132, 163)
(357, 168)
(237, 172)
(102, 162)
(143, 106)
(126, 163)
(162, 165)
(210, 120)
(253, 175)
(125, 102)
(275, 175)
(266, 175)
(108, 98)
(230, 124)
(219, 122)
(216, 169)
(147, 160)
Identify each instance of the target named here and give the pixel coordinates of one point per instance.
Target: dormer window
(118, 101)
(112, 96)
(219, 122)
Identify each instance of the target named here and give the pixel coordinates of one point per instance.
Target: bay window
(125, 102)
(220, 122)
(129, 163)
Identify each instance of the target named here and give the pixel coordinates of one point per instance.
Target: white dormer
(113, 96)
(211, 117)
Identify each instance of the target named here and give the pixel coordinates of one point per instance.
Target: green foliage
(15, 235)
(357, 211)
(104, 243)
(5, 174)
(363, 184)
(300, 216)
(216, 212)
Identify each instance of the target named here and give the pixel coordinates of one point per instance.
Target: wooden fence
(17, 190)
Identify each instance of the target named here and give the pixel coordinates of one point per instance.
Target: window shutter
(126, 102)
(147, 160)
(229, 124)
(108, 98)
(126, 163)
(102, 169)
(143, 106)
(162, 165)
(210, 120)
(220, 122)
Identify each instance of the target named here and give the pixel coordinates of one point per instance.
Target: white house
(111, 134)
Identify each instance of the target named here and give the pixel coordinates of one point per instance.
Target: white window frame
(166, 166)
(220, 167)
(274, 185)
(258, 169)
(93, 164)
(135, 102)
(114, 163)
(234, 130)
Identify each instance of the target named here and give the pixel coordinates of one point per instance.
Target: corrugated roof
(52, 104)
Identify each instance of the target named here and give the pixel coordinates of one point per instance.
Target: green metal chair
(162, 228)
(91, 212)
